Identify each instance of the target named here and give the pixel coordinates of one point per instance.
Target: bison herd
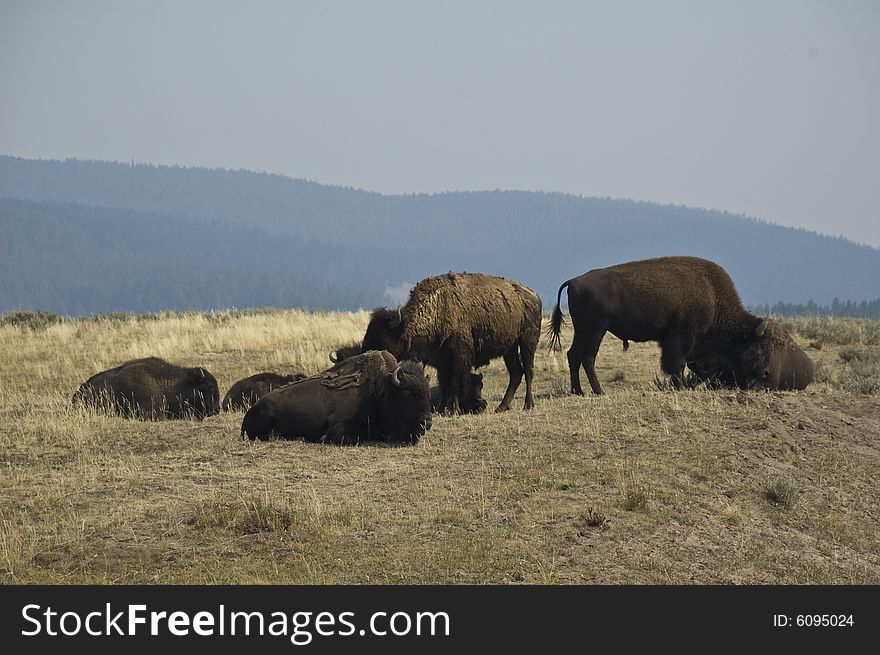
(458, 322)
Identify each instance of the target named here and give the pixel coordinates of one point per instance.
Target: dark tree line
(839, 308)
(236, 226)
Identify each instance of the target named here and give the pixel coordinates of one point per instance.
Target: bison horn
(334, 358)
(394, 378)
(762, 327)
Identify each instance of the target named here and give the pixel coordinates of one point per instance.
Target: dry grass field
(643, 485)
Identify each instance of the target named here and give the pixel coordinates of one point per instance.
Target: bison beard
(152, 389)
(459, 321)
(684, 303)
(364, 398)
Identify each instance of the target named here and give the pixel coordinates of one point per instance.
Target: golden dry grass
(643, 485)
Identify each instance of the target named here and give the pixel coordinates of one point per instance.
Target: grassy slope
(679, 477)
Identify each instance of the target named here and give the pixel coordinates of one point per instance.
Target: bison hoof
(502, 408)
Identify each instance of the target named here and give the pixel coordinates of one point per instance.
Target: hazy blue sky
(768, 108)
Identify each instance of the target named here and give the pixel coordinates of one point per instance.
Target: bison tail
(557, 319)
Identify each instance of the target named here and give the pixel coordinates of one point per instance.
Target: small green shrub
(781, 490)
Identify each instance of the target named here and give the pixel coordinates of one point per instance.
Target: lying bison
(345, 352)
(790, 368)
(459, 321)
(246, 392)
(471, 403)
(152, 389)
(364, 398)
(680, 302)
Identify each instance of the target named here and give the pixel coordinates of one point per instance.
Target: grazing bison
(367, 397)
(152, 389)
(459, 321)
(790, 368)
(246, 392)
(472, 403)
(681, 302)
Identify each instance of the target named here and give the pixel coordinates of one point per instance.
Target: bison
(368, 397)
(790, 367)
(246, 392)
(681, 302)
(459, 321)
(152, 389)
(345, 352)
(471, 403)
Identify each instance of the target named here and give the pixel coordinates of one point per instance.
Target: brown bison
(681, 302)
(459, 321)
(790, 368)
(369, 397)
(246, 392)
(345, 352)
(152, 389)
(471, 403)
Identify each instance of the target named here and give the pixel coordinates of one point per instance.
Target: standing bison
(459, 321)
(246, 392)
(790, 367)
(364, 398)
(152, 389)
(681, 302)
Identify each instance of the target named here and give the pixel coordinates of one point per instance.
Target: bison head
(472, 400)
(406, 405)
(204, 396)
(384, 332)
(752, 357)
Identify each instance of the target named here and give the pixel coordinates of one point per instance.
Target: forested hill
(207, 238)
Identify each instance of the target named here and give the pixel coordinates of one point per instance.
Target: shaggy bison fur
(459, 321)
(152, 389)
(369, 397)
(681, 302)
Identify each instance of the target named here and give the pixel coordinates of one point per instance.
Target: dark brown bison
(246, 392)
(472, 403)
(152, 389)
(459, 321)
(681, 302)
(369, 397)
(790, 367)
(345, 352)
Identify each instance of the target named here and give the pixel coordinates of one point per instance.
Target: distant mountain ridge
(356, 244)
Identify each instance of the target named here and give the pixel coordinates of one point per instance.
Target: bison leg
(444, 379)
(583, 351)
(574, 364)
(515, 370)
(527, 357)
(588, 359)
(674, 351)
